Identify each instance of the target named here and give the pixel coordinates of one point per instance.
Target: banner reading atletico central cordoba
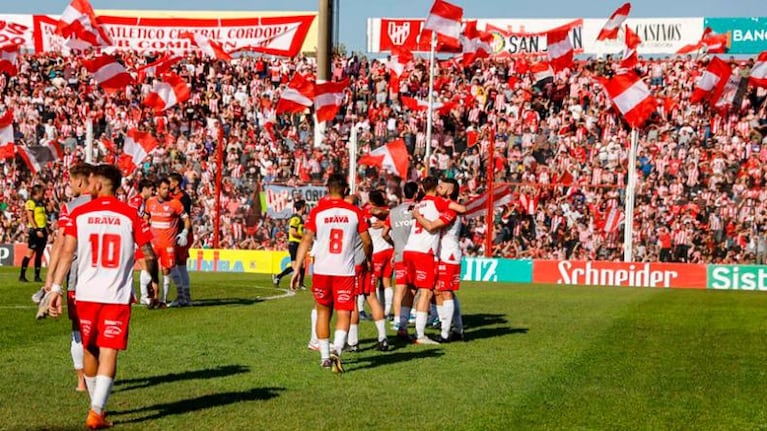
(276, 33)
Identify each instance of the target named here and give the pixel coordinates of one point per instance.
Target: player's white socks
(440, 313)
(381, 327)
(361, 303)
(324, 348)
(144, 281)
(388, 299)
(457, 317)
(90, 383)
(313, 339)
(165, 288)
(340, 341)
(420, 323)
(354, 334)
(448, 308)
(76, 349)
(404, 317)
(101, 393)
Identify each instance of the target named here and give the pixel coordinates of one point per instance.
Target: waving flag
(758, 75)
(631, 96)
(78, 22)
(542, 73)
(209, 47)
(611, 27)
(630, 57)
(168, 93)
(328, 99)
(445, 20)
(108, 73)
(712, 43)
(475, 44)
(478, 206)
(157, 67)
(6, 128)
(392, 157)
(400, 57)
(710, 84)
(136, 147)
(298, 96)
(560, 49)
(8, 56)
(37, 156)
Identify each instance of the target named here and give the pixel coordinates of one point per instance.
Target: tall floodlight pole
(324, 56)
(628, 229)
(430, 112)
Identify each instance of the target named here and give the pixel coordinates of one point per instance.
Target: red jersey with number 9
(337, 225)
(107, 230)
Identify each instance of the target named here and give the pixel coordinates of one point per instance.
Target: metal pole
(489, 218)
(353, 160)
(219, 169)
(89, 140)
(628, 230)
(429, 112)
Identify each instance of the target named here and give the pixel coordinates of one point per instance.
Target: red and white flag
(328, 98)
(8, 55)
(413, 104)
(445, 20)
(298, 96)
(109, 145)
(6, 128)
(560, 49)
(37, 156)
(477, 207)
(78, 22)
(109, 73)
(729, 95)
(167, 93)
(630, 57)
(758, 75)
(542, 72)
(712, 43)
(157, 67)
(631, 96)
(136, 147)
(709, 85)
(614, 220)
(56, 150)
(7, 151)
(392, 157)
(611, 27)
(400, 57)
(209, 47)
(475, 44)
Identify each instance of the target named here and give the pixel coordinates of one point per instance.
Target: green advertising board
(496, 270)
(746, 35)
(737, 277)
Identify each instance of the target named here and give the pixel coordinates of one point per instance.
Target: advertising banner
(280, 35)
(746, 35)
(496, 270)
(659, 35)
(279, 199)
(20, 250)
(674, 275)
(16, 29)
(6, 254)
(250, 261)
(737, 277)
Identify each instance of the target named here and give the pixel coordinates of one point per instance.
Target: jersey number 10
(105, 249)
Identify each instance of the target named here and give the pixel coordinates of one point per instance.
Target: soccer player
(164, 215)
(103, 233)
(79, 182)
(295, 233)
(382, 249)
(37, 222)
(182, 251)
(397, 230)
(336, 225)
(449, 266)
(146, 191)
(421, 250)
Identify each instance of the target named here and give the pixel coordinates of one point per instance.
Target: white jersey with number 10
(336, 225)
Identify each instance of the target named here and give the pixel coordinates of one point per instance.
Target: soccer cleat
(382, 345)
(326, 363)
(38, 296)
(97, 421)
(457, 336)
(443, 340)
(403, 335)
(38, 280)
(275, 280)
(336, 364)
(160, 305)
(425, 341)
(313, 346)
(302, 287)
(354, 348)
(42, 307)
(23, 279)
(178, 303)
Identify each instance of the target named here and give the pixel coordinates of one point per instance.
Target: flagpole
(628, 229)
(353, 159)
(89, 140)
(429, 112)
(219, 168)
(489, 217)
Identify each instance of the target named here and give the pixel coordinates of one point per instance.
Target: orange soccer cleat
(97, 421)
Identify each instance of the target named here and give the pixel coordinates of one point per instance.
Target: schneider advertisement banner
(674, 275)
(746, 35)
(737, 277)
(496, 270)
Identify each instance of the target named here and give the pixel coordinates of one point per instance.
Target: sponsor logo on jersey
(336, 219)
(104, 220)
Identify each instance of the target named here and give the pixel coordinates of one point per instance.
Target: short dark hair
(111, 173)
(81, 170)
(337, 183)
(162, 180)
(175, 176)
(36, 189)
(429, 184)
(456, 187)
(145, 184)
(410, 189)
(299, 204)
(377, 198)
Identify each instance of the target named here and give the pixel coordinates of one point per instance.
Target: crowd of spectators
(700, 195)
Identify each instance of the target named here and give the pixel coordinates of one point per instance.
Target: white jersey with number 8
(336, 225)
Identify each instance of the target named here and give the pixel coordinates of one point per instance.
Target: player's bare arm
(62, 268)
(53, 261)
(379, 213)
(430, 225)
(455, 206)
(385, 235)
(367, 247)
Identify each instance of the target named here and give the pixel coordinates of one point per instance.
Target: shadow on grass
(225, 301)
(204, 402)
(209, 373)
(383, 359)
(483, 333)
(482, 319)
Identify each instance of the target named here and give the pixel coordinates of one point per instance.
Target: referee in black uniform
(37, 222)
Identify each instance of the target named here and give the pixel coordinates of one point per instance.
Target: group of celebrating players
(99, 241)
(353, 249)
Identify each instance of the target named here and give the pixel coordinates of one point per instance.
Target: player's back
(64, 217)
(376, 234)
(105, 229)
(420, 239)
(336, 225)
(449, 246)
(400, 222)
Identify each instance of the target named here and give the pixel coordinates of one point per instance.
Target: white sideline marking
(16, 307)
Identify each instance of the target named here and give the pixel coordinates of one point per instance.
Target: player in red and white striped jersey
(331, 231)
(145, 191)
(103, 233)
